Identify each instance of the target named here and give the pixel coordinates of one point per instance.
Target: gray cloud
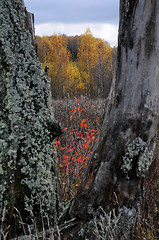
(74, 11)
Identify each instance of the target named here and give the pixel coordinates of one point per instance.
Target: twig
(21, 220)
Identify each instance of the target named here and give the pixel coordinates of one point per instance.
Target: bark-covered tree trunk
(27, 126)
(125, 148)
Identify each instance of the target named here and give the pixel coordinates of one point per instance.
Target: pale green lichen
(27, 152)
(137, 152)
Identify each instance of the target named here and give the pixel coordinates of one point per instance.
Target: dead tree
(27, 125)
(113, 184)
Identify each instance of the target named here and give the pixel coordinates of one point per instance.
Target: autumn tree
(58, 58)
(112, 195)
(43, 49)
(87, 58)
(103, 68)
(75, 83)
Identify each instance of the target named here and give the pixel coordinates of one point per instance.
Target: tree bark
(124, 150)
(27, 125)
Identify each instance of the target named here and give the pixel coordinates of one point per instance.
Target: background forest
(79, 66)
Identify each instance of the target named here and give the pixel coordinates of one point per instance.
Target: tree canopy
(80, 65)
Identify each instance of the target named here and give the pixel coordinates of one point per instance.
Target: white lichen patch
(138, 154)
(144, 162)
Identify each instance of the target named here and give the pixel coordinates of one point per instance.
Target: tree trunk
(113, 186)
(27, 126)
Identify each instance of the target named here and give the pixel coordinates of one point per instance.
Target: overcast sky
(73, 17)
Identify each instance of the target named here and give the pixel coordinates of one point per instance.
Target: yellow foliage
(75, 82)
(87, 58)
(86, 75)
(104, 52)
(87, 54)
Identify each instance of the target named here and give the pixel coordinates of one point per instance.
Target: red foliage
(74, 149)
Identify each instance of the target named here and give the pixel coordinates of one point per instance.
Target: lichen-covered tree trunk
(27, 126)
(126, 144)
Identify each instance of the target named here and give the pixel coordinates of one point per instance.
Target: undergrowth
(80, 120)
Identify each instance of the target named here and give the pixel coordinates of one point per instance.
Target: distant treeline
(79, 65)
